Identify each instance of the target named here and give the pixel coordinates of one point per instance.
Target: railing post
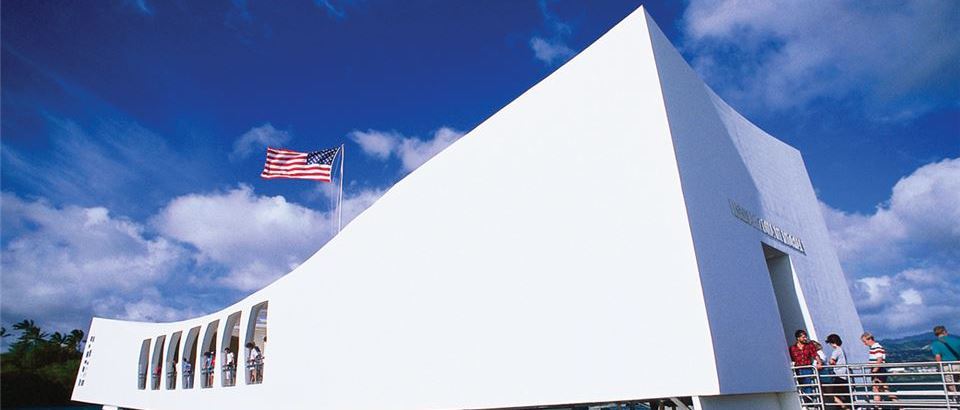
(816, 375)
(943, 380)
(849, 385)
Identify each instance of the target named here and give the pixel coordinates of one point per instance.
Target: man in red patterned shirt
(804, 353)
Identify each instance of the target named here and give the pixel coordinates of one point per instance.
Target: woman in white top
(841, 390)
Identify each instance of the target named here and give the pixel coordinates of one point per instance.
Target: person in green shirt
(945, 349)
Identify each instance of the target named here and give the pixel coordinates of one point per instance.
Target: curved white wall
(545, 258)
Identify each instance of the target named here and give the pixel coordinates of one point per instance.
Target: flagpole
(340, 196)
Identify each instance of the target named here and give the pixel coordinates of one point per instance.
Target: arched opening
(256, 337)
(231, 345)
(156, 364)
(189, 361)
(173, 356)
(209, 349)
(143, 365)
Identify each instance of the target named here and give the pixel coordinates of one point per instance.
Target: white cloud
(258, 238)
(258, 138)
(414, 152)
(550, 51)
(411, 151)
(911, 297)
(904, 258)
(923, 212)
(785, 54)
(149, 305)
(898, 303)
(379, 144)
(62, 263)
(875, 290)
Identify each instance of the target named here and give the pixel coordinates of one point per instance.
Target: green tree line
(40, 368)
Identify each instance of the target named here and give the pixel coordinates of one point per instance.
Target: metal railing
(229, 375)
(917, 385)
(171, 377)
(206, 374)
(255, 371)
(187, 378)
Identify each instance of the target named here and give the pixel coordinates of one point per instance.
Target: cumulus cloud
(411, 151)
(257, 238)
(61, 263)
(903, 258)
(788, 54)
(551, 48)
(258, 138)
(923, 213)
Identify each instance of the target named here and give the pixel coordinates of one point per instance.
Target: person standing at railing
(838, 358)
(156, 377)
(254, 362)
(207, 369)
(877, 357)
(803, 353)
(945, 349)
(186, 370)
(228, 367)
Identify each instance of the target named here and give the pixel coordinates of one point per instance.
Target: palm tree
(24, 325)
(30, 332)
(75, 340)
(3, 332)
(58, 339)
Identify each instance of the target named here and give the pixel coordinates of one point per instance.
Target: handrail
(255, 371)
(927, 385)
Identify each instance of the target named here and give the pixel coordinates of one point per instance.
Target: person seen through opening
(228, 366)
(254, 360)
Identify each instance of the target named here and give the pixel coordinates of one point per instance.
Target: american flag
(283, 163)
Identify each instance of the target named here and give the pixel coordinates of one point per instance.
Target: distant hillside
(914, 348)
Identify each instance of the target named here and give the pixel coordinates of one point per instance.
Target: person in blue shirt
(945, 349)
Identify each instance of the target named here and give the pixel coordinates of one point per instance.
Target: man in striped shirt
(878, 356)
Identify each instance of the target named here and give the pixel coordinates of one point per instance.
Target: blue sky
(133, 132)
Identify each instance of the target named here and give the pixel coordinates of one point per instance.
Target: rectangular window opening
(784, 287)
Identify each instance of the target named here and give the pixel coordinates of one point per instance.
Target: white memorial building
(617, 233)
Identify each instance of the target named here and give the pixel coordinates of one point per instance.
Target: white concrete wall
(787, 194)
(722, 158)
(545, 258)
